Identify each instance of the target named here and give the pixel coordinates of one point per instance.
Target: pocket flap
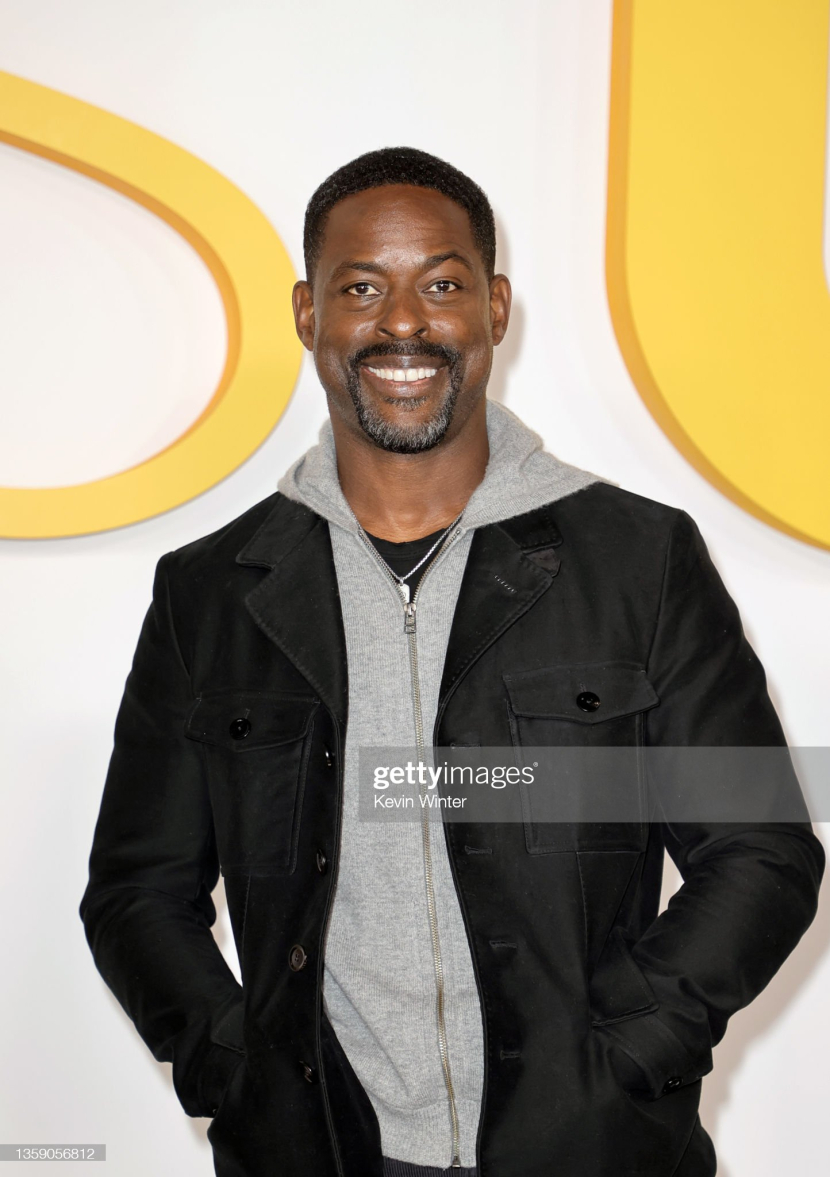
(618, 989)
(588, 692)
(229, 1031)
(242, 720)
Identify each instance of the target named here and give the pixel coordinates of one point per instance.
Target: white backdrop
(111, 339)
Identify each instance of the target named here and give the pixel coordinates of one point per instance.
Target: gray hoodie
(380, 980)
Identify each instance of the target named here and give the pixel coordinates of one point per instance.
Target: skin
(379, 284)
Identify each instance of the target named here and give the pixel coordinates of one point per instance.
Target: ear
(501, 295)
(303, 303)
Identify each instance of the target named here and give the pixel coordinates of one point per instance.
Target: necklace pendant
(403, 589)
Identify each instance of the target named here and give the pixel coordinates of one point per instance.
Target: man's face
(401, 316)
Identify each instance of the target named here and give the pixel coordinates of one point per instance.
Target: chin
(401, 436)
(398, 439)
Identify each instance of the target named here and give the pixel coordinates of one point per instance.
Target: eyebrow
(365, 267)
(437, 259)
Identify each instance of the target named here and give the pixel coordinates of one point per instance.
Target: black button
(240, 728)
(329, 759)
(322, 862)
(673, 1083)
(309, 1073)
(297, 958)
(587, 701)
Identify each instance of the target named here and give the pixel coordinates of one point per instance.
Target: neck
(404, 496)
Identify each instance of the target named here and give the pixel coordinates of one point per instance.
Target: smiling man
(427, 997)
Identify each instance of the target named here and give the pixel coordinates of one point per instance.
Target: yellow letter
(254, 276)
(715, 269)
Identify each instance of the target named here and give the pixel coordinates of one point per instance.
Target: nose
(402, 316)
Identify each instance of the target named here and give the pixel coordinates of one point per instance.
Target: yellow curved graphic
(714, 260)
(254, 275)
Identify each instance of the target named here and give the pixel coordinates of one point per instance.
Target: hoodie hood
(520, 476)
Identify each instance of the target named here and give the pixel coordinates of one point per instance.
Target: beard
(399, 438)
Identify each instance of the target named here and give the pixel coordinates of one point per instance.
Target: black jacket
(599, 1015)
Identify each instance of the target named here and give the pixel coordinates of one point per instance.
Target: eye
(443, 286)
(361, 289)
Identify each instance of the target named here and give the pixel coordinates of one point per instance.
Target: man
(496, 998)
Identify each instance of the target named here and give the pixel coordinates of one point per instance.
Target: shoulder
(621, 525)
(603, 508)
(260, 528)
(628, 536)
(637, 540)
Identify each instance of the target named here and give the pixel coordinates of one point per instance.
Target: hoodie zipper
(411, 633)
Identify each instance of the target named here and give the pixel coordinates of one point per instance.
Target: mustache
(406, 347)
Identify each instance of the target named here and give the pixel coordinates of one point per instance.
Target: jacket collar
(510, 565)
(297, 605)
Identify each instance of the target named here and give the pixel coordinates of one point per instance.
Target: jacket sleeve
(750, 889)
(147, 909)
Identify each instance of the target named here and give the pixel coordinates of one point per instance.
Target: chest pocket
(591, 714)
(256, 747)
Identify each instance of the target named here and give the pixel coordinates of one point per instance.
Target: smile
(403, 375)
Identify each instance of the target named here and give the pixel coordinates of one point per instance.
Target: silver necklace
(403, 587)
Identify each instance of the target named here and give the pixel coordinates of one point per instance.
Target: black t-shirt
(402, 557)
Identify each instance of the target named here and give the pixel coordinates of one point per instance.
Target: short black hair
(399, 165)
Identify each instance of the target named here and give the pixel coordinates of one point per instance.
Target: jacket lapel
(510, 565)
(297, 605)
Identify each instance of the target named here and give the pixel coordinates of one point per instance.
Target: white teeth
(403, 375)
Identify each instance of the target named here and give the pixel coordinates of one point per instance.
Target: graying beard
(399, 440)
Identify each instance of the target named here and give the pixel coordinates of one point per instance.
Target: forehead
(395, 221)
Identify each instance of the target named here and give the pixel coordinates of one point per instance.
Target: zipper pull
(409, 617)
